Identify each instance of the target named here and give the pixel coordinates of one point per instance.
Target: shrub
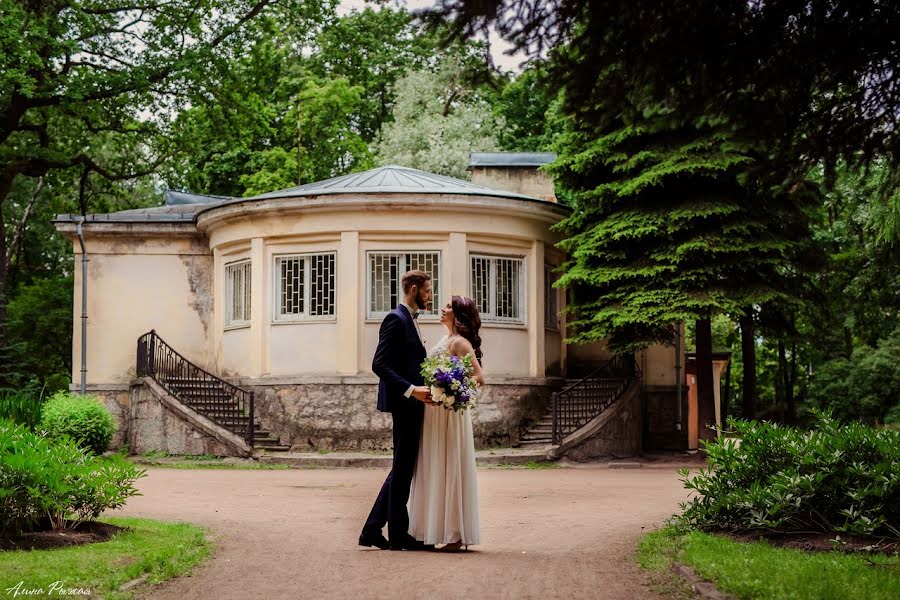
(56, 479)
(866, 387)
(21, 407)
(83, 418)
(834, 478)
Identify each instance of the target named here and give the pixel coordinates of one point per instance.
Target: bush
(834, 478)
(83, 418)
(21, 407)
(56, 479)
(866, 387)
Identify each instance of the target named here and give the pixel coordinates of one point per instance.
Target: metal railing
(577, 404)
(213, 397)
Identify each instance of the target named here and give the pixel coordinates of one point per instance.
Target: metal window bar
(228, 405)
(386, 270)
(306, 286)
(237, 293)
(551, 299)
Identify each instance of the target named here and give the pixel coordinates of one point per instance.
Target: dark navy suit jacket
(398, 360)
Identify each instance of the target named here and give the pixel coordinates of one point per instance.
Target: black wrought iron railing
(577, 404)
(224, 403)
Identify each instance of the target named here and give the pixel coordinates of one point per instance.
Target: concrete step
(496, 456)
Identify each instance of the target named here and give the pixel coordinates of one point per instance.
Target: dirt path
(561, 533)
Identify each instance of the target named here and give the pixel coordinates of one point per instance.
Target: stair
(539, 434)
(212, 400)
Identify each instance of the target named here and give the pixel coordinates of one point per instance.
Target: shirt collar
(410, 309)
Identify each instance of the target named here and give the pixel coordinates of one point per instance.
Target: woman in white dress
(444, 495)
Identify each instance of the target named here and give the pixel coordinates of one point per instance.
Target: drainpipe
(678, 374)
(84, 262)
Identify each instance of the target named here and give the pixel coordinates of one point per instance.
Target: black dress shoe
(410, 543)
(376, 540)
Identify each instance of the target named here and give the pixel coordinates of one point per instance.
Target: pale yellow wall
(523, 180)
(235, 357)
(134, 287)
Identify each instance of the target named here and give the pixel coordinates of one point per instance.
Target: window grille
(551, 298)
(237, 293)
(304, 287)
(498, 288)
(386, 270)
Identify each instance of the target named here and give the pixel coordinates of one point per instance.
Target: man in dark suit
(397, 362)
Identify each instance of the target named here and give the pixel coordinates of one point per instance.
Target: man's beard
(420, 302)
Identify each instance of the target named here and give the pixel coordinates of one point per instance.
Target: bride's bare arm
(460, 346)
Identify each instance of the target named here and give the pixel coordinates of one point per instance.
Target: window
(498, 289)
(237, 293)
(385, 271)
(304, 287)
(551, 298)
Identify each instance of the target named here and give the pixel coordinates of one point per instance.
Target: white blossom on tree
(438, 120)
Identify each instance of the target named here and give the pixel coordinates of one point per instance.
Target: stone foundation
(615, 433)
(319, 413)
(338, 413)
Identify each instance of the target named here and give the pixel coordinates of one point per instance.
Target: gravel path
(556, 533)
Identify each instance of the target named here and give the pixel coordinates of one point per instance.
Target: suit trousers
(390, 505)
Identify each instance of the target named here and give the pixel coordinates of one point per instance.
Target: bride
(443, 495)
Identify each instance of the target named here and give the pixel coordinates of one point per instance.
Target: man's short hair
(411, 278)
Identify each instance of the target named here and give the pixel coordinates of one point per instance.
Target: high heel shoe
(454, 547)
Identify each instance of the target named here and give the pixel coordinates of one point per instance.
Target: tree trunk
(781, 380)
(748, 356)
(706, 409)
(790, 379)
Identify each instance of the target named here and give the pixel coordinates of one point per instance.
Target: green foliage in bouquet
(833, 478)
(56, 480)
(83, 418)
(451, 377)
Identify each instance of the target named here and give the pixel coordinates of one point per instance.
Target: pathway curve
(555, 533)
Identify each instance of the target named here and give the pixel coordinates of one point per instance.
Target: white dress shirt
(412, 312)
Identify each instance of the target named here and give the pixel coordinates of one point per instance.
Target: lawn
(759, 570)
(156, 549)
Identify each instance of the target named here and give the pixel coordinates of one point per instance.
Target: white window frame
(230, 269)
(436, 279)
(306, 257)
(551, 299)
(489, 316)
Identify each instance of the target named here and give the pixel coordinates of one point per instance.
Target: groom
(397, 363)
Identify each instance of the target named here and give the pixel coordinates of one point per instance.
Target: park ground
(547, 533)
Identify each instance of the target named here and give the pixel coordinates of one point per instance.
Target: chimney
(514, 172)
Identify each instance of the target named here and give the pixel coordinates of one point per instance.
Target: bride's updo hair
(467, 321)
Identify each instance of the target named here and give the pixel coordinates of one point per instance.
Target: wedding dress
(443, 496)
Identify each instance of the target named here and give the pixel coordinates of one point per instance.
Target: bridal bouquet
(451, 382)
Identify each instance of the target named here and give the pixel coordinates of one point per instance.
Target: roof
(174, 197)
(389, 179)
(176, 213)
(510, 159)
(182, 207)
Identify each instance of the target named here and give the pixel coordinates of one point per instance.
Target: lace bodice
(442, 347)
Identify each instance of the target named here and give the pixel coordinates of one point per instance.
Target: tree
(75, 76)
(373, 49)
(439, 118)
(666, 227)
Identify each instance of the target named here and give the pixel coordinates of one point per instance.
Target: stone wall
(319, 413)
(615, 433)
(152, 426)
(661, 418)
(338, 413)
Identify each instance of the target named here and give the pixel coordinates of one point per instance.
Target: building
(282, 295)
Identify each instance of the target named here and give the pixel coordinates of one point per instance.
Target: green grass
(759, 570)
(532, 465)
(196, 461)
(161, 550)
